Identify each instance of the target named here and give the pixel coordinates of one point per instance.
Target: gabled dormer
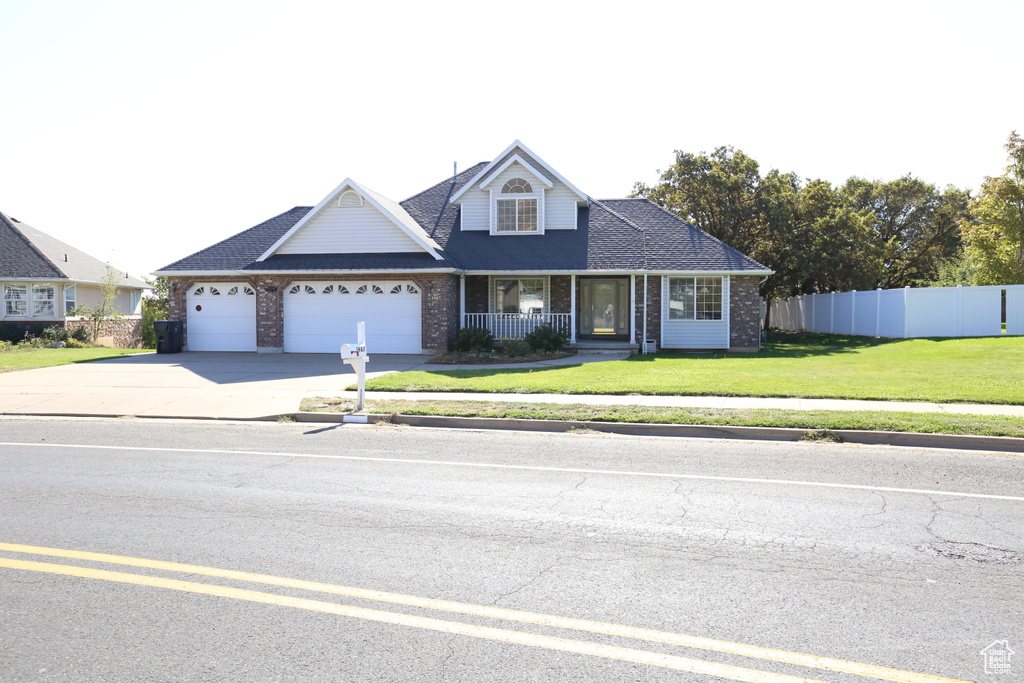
(518, 194)
(354, 219)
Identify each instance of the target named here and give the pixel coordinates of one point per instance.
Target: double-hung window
(516, 214)
(522, 296)
(134, 297)
(69, 298)
(15, 299)
(43, 298)
(695, 298)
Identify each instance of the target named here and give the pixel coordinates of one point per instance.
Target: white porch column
(572, 309)
(632, 309)
(462, 302)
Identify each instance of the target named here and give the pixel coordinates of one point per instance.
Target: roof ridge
(643, 232)
(435, 185)
(31, 245)
(683, 220)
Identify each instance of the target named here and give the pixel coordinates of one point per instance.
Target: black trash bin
(168, 336)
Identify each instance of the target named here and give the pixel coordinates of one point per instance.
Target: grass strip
(926, 423)
(31, 359)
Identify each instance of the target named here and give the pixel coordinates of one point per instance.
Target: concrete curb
(905, 439)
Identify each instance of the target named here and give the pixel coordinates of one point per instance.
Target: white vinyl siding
(560, 208)
(350, 230)
(475, 211)
(694, 334)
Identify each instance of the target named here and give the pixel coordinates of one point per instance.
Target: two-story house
(508, 245)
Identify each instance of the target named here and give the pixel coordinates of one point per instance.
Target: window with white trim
(134, 297)
(70, 294)
(695, 298)
(43, 297)
(516, 214)
(15, 299)
(520, 295)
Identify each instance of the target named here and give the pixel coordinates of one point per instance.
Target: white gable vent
(349, 199)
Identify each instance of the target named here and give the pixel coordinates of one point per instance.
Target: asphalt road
(906, 559)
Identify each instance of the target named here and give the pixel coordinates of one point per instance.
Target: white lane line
(529, 468)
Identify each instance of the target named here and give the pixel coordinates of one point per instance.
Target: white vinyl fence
(905, 313)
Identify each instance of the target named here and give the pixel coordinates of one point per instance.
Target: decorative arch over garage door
(221, 317)
(320, 316)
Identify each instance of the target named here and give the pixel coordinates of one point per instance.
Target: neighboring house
(507, 245)
(42, 279)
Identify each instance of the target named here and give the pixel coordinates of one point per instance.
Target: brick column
(744, 313)
(270, 313)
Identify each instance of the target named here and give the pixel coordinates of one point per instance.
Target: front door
(604, 308)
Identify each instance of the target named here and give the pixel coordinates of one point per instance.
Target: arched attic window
(517, 186)
(520, 214)
(349, 199)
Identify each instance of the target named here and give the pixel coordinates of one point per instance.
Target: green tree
(994, 235)
(104, 310)
(155, 306)
(914, 227)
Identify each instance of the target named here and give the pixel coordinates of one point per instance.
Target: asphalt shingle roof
(611, 234)
(26, 252)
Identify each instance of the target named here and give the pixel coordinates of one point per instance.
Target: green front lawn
(29, 359)
(973, 370)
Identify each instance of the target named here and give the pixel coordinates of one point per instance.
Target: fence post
(878, 311)
(832, 313)
(853, 313)
(959, 310)
(906, 311)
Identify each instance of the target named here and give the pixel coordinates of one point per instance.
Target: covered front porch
(595, 311)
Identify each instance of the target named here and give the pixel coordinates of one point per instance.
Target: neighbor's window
(695, 298)
(15, 299)
(518, 214)
(134, 296)
(519, 296)
(43, 297)
(69, 299)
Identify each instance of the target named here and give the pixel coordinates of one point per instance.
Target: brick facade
(744, 313)
(125, 334)
(440, 305)
(439, 295)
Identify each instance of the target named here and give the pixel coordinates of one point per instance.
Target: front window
(517, 214)
(15, 300)
(69, 299)
(43, 297)
(695, 298)
(523, 296)
(134, 297)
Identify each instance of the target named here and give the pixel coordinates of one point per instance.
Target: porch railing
(517, 325)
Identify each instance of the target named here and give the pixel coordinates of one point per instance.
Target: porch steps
(600, 346)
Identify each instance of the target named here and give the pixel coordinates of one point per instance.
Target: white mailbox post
(355, 355)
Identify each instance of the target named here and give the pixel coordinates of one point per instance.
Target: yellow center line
(813, 661)
(593, 649)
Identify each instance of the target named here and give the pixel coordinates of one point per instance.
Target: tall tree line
(862, 234)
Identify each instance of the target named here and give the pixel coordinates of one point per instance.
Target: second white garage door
(321, 316)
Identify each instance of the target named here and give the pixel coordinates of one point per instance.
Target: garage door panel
(318, 322)
(221, 317)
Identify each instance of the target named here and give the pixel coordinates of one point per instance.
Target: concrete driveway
(241, 386)
(210, 385)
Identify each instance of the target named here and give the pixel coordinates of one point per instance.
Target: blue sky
(142, 132)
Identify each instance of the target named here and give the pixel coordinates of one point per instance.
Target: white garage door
(221, 317)
(321, 316)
